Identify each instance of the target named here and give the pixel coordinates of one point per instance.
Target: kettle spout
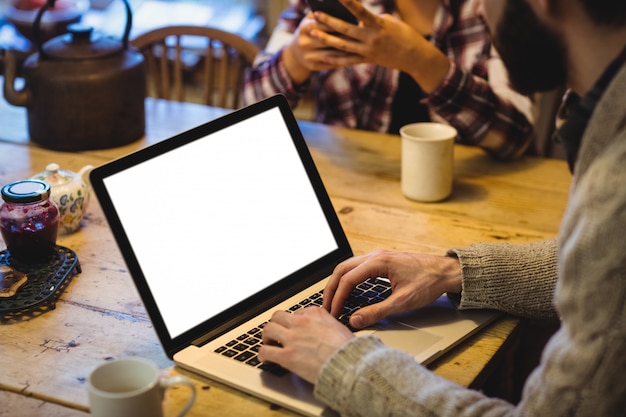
(13, 96)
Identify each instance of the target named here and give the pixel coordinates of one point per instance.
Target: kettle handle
(86, 170)
(50, 4)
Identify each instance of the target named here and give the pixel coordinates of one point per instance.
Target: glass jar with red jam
(29, 220)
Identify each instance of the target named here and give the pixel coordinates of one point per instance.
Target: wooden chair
(206, 63)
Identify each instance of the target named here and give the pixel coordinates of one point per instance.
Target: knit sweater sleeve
(582, 367)
(366, 378)
(517, 279)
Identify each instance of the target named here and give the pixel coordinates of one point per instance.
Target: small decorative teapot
(70, 192)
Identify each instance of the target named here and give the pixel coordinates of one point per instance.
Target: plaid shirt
(475, 96)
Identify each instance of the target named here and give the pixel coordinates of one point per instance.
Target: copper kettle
(82, 90)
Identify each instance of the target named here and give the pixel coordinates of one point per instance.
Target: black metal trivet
(46, 282)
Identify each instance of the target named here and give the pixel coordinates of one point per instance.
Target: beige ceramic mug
(427, 161)
(132, 387)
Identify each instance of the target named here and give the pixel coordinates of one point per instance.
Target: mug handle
(176, 380)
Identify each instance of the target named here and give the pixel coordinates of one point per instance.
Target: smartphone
(333, 8)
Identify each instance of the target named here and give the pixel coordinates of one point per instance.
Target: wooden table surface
(45, 361)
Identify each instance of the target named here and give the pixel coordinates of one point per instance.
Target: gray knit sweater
(583, 368)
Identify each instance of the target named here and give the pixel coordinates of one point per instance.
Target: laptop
(225, 223)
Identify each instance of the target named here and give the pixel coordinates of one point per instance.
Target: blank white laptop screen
(220, 218)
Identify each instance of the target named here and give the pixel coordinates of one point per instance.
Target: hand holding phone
(333, 8)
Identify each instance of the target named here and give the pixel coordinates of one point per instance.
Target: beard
(535, 56)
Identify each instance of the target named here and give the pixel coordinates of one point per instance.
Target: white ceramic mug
(132, 387)
(427, 161)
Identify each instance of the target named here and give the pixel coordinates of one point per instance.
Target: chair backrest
(199, 61)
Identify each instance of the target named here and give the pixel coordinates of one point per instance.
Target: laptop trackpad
(403, 337)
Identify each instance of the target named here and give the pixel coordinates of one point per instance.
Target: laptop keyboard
(245, 347)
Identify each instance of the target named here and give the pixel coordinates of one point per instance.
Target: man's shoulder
(605, 135)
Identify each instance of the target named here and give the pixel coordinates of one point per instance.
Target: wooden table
(45, 361)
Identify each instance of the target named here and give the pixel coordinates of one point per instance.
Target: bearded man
(578, 278)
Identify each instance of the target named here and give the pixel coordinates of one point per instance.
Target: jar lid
(26, 191)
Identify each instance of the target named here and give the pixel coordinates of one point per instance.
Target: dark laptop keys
(369, 292)
(245, 347)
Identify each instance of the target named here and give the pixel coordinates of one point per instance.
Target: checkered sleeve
(268, 77)
(482, 117)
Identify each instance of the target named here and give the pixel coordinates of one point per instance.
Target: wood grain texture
(45, 361)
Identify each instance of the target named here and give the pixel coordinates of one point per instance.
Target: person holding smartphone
(406, 61)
